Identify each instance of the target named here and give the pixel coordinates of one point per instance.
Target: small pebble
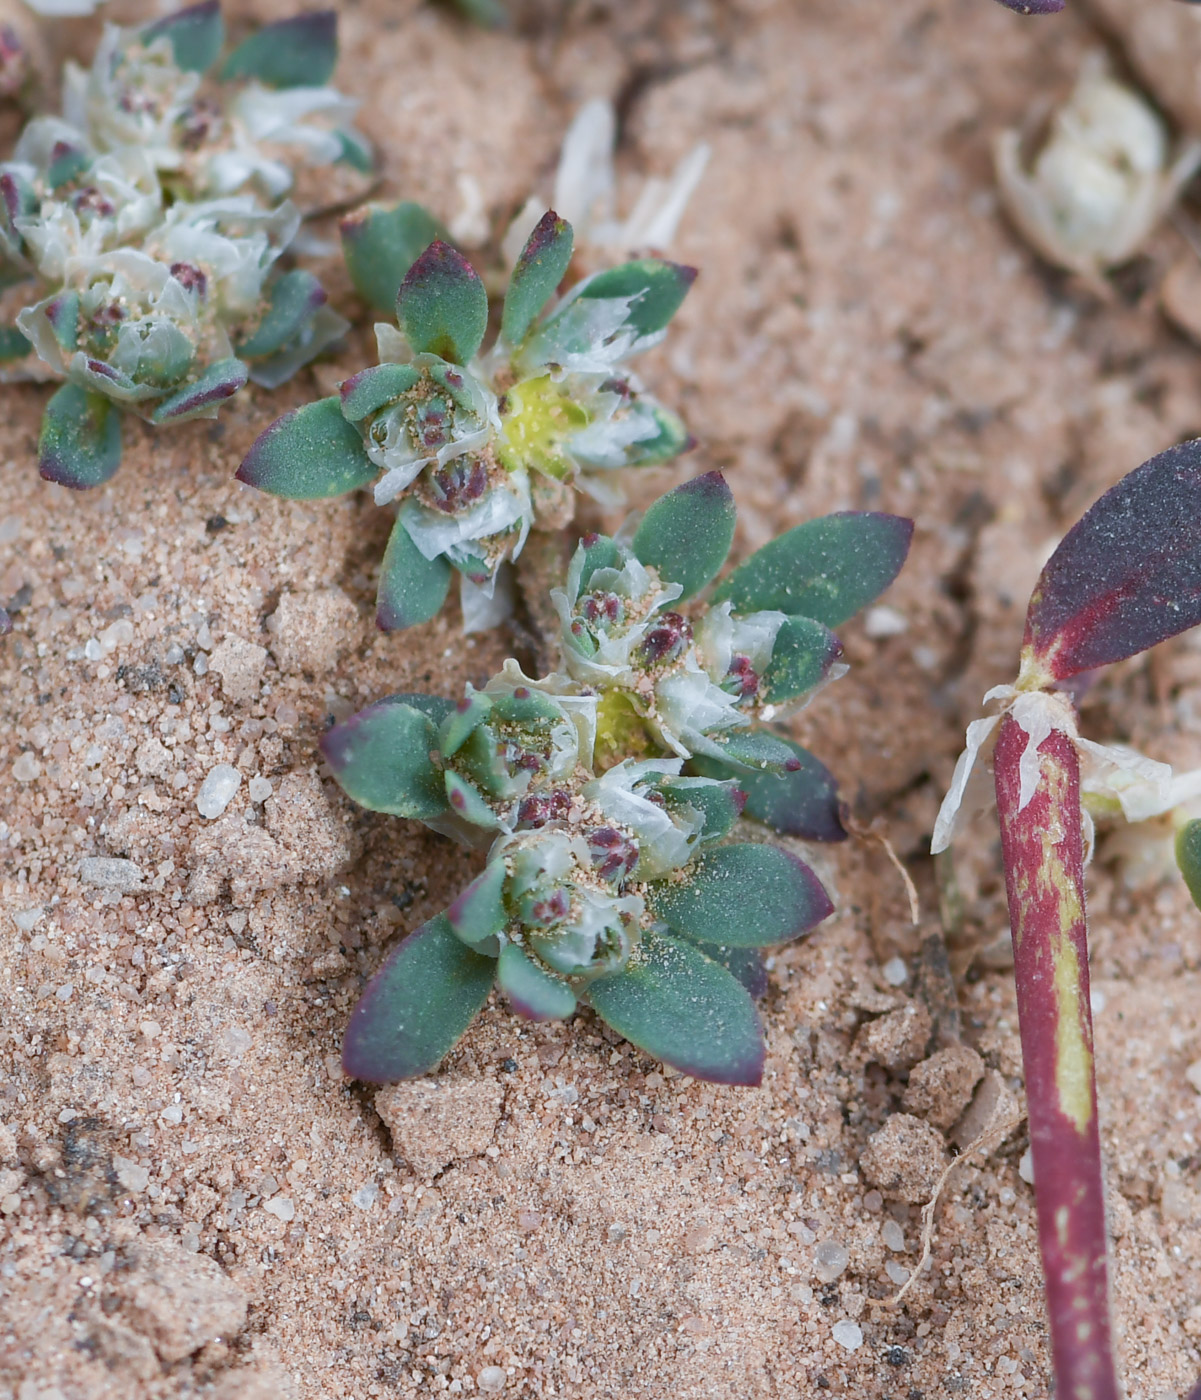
(847, 1334)
(1026, 1167)
(260, 789)
(898, 1273)
(281, 1207)
(111, 873)
(895, 972)
(217, 790)
(491, 1379)
(830, 1260)
(893, 1236)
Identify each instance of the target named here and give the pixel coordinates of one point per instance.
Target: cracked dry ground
(192, 1199)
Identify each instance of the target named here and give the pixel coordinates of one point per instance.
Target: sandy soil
(193, 1201)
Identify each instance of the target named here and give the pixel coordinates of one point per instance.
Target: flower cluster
(150, 217)
(478, 447)
(604, 793)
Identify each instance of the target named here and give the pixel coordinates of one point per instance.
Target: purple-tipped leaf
(537, 273)
(442, 306)
(467, 802)
(80, 441)
(371, 389)
(826, 569)
(687, 534)
(478, 914)
(1127, 575)
(469, 714)
(196, 34)
(744, 896)
(416, 1007)
(380, 245)
(297, 52)
(66, 162)
(381, 759)
(63, 316)
(200, 399)
(800, 801)
(532, 991)
(801, 659)
(684, 1009)
(308, 454)
(293, 298)
(412, 588)
(656, 289)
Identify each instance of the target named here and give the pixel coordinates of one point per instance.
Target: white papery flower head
(603, 624)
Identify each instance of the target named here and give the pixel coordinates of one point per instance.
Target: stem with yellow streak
(1044, 875)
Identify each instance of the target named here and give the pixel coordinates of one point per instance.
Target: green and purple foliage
(1126, 577)
(149, 219)
(470, 442)
(606, 794)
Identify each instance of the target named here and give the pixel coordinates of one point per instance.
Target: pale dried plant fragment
(1101, 182)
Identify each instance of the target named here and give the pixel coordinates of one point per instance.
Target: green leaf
(801, 658)
(216, 384)
(538, 271)
(478, 914)
(416, 1007)
(745, 963)
(13, 345)
(686, 1010)
(356, 151)
(293, 297)
(308, 454)
(381, 244)
(800, 801)
(442, 306)
(532, 991)
(297, 52)
(412, 588)
(600, 552)
(197, 35)
(668, 442)
(755, 750)
(1188, 858)
(66, 162)
(657, 287)
(687, 534)
(492, 14)
(371, 389)
(468, 802)
(826, 569)
(381, 759)
(63, 315)
(80, 441)
(469, 714)
(744, 896)
(720, 802)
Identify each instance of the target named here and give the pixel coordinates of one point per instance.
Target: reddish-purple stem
(1044, 876)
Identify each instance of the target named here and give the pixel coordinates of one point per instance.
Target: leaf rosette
(458, 436)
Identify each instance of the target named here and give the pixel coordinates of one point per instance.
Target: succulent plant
(478, 447)
(606, 794)
(150, 217)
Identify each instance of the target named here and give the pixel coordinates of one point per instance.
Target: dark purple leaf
(1126, 576)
